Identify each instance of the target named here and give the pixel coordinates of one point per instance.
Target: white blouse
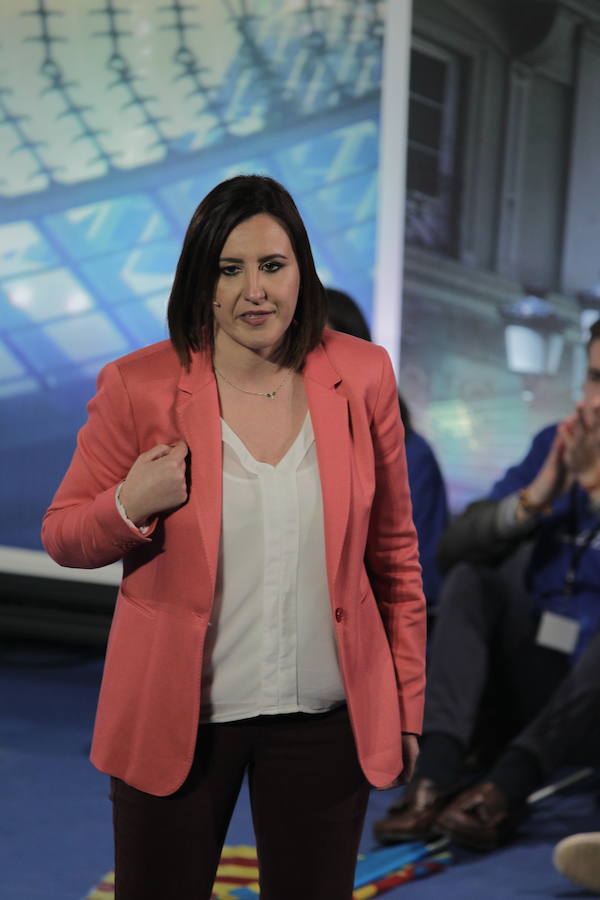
(271, 645)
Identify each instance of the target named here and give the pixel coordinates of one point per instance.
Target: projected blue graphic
(137, 111)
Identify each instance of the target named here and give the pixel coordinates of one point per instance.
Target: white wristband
(142, 528)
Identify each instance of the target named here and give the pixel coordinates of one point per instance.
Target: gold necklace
(268, 394)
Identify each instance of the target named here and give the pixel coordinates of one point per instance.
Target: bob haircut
(190, 310)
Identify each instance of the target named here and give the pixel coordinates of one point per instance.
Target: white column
(387, 305)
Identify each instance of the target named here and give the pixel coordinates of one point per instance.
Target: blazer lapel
(329, 414)
(198, 413)
(199, 416)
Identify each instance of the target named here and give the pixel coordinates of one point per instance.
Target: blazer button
(339, 614)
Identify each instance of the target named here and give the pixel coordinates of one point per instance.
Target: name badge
(557, 632)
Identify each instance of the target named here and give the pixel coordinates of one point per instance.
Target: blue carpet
(55, 830)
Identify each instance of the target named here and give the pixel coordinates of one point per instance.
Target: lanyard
(578, 551)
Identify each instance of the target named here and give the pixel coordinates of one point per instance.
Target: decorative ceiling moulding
(587, 9)
(488, 18)
(544, 33)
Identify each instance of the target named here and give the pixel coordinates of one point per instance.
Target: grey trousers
(484, 647)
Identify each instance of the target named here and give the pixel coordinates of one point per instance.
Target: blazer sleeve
(392, 555)
(82, 527)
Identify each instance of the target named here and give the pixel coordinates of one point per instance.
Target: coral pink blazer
(147, 718)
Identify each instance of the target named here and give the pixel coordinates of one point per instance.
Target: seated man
(536, 645)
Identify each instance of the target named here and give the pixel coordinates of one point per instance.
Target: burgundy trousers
(308, 797)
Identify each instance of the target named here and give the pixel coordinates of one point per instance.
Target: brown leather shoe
(480, 818)
(413, 817)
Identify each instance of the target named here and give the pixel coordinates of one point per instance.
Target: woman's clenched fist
(156, 482)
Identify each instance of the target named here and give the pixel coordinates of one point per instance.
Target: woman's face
(257, 289)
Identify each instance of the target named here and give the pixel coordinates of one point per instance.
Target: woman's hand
(410, 752)
(156, 482)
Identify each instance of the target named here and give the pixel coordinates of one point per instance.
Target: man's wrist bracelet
(591, 486)
(529, 506)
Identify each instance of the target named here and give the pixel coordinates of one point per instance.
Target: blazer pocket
(138, 604)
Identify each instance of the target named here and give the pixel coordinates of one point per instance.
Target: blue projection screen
(116, 120)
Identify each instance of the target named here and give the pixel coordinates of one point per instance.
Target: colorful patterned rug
(376, 872)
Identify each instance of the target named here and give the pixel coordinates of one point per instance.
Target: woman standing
(270, 618)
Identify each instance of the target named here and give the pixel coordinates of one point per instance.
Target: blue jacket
(556, 539)
(430, 508)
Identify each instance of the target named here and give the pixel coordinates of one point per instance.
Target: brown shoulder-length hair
(190, 309)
